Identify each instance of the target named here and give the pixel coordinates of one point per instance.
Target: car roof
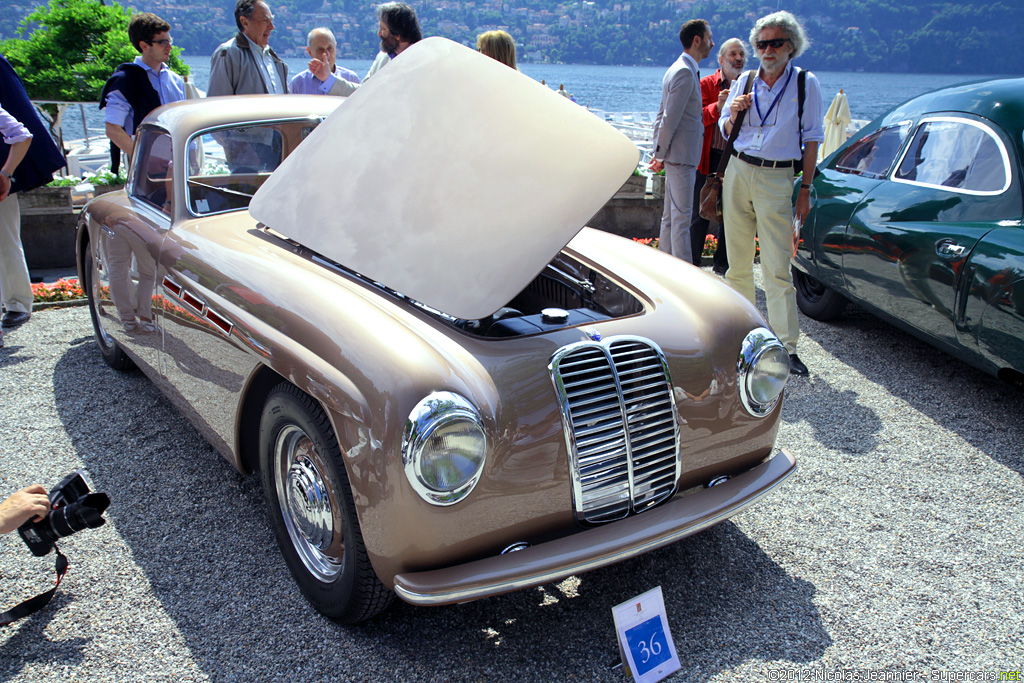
(186, 117)
(999, 100)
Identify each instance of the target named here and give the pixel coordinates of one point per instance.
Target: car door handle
(950, 248)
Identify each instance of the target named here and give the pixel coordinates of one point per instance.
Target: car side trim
(597, 547)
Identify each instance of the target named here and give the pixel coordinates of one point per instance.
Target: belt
(764, 163)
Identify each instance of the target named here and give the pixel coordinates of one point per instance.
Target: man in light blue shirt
(324, 76)
(137, 88)
(774, 142)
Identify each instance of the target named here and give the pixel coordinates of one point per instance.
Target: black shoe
(14, 318)
(796, 366)
(720, 270)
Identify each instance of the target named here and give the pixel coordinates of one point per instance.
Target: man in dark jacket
(28, 159)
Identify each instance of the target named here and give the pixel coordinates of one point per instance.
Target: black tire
(814, 299)
(320, 539)
(112, 354)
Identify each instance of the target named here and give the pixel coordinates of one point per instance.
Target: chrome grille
(619, 418)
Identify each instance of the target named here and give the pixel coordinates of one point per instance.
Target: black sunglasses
(774, 42)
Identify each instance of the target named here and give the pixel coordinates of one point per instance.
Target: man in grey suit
(679, 137)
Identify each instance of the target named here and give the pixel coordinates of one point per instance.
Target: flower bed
(710, 245)
(61, 290)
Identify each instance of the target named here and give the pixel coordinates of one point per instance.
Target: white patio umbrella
(837, 118)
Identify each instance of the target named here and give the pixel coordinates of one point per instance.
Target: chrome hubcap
(307, 506)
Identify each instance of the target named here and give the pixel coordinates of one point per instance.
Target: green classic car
(917, 218)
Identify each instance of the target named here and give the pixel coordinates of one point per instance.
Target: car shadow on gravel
(199, 532)
(31, 647)
(981, 409)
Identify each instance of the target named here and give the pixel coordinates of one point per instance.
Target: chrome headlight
(444, 448)
(762, 371)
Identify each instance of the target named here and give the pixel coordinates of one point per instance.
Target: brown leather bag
(710, 208)
(711, 199)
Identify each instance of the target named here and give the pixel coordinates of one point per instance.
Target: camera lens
(86, 513)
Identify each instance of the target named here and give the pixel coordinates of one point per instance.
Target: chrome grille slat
(619, 417)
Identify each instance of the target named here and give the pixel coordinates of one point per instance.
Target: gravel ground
(896, 546)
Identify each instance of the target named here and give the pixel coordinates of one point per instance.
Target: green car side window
(956, 154)
(873, 155)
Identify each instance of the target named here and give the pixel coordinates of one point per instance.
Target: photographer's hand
(24, 504)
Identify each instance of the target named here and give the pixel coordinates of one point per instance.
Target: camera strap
(33, 605)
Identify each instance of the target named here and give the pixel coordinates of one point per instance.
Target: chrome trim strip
(172, 286)
(502, 569)
(219, 321)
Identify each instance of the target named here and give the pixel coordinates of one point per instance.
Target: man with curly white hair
(778, 137)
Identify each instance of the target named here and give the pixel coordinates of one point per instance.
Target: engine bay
(566, 293)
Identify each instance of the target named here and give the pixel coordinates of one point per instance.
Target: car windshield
(873, 155)
(228, 165)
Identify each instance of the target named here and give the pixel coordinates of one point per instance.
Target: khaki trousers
(758, 202)
(15, 287)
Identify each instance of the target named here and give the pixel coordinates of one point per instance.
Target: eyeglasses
(774, 42)
(163, 42)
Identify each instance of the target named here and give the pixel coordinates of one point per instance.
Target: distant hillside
(847, 35)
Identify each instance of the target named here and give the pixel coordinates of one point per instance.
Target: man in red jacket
(714, 89)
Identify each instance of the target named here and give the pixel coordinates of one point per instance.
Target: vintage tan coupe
(387, 306)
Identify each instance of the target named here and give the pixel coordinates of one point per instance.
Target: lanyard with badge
(758, 140)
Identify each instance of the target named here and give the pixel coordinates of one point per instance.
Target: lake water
(631, 88)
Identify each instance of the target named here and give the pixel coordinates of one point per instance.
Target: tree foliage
(72, 47)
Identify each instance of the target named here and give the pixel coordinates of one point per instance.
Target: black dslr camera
(73, 507)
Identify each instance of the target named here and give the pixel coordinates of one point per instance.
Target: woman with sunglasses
(773, 143)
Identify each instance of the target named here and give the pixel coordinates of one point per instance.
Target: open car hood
(448, 177)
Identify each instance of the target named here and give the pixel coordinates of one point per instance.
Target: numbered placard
(644, 638)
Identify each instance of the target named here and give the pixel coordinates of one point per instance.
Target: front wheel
(112, 354)
(814, 299)
(312, 511)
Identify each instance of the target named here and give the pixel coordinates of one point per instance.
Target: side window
(228, 165)
(956, 154)
(152, 171)
(873, 155)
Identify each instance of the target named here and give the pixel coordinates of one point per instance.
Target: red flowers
(61, 290)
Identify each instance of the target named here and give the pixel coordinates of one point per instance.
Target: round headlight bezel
(440, 410)
(760, 344)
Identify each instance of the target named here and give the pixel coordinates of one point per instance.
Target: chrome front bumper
(597, 547)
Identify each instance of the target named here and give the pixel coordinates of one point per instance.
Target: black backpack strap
(801, 93)
(33, 605)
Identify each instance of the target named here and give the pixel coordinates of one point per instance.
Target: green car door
(908, 244)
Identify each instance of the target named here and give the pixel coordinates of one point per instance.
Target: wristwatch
(5, 173)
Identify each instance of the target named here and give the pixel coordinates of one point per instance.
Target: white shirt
(12, 129)
(268, 69)
(780, 137)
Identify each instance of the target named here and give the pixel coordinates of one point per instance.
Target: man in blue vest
(139, 87)
(28, 158)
